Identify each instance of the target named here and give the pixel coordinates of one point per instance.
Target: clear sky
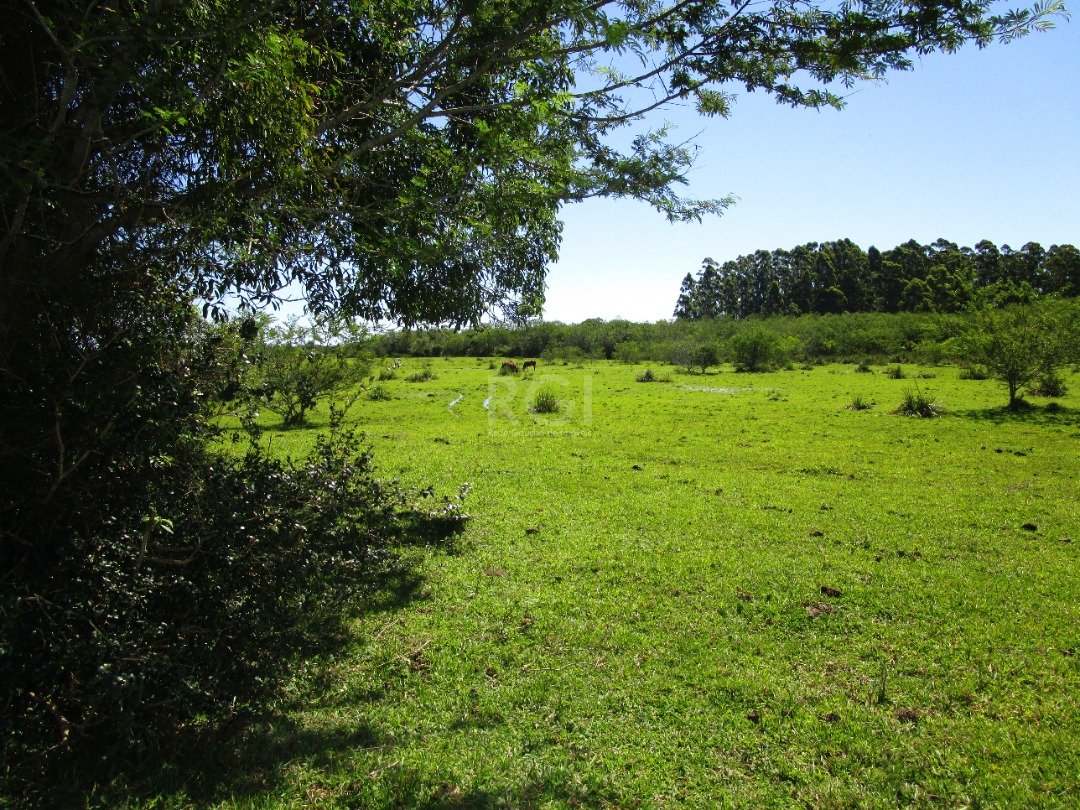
(981, 144)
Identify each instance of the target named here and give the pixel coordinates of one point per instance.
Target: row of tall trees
(839, 276)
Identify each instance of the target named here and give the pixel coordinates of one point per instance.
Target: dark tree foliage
(834, 277)
(392, 160)
(148, 579)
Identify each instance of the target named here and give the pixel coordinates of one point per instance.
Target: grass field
(721, 590)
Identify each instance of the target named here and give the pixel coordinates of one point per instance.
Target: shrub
(648, 375)
(975, 371)
(298, 366)
(864, 367)
(931, 352)
(859, 404)
(706, 356)
(571, 354)
(378, 393)
(683, 355)
(545, 402)
(628, 353)
(755, 349)
(156, 584)
(423, 375)
(915, 403)
(1050, 384)
(896, 373)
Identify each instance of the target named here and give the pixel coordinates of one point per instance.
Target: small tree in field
(300, 366)
(1021, 344)
(754, 349)
(705, 356)
(683, 355)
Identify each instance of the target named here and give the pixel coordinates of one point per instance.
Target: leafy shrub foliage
(378, 393)
(149, 580)
(974, 371)
(298, 367)
(546, 402)
(896, 373)
(758, 350)
(859, 404)
(706, 356)
(1050, 384)
(423, 375)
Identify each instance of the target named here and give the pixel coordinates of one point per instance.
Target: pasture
(724, 590)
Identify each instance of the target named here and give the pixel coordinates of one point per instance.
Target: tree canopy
(834, 277)
(401, 160)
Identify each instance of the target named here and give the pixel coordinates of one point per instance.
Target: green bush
(859, 404)
(755, 349)
(1050, 384)
(1022, 346)
(153, 584)
(975, 371)
(298, 366)
(628, 353)
(648, 375)
(423, 375)
(706, 356)
(546, 402)
(896, 373)
(378, 393)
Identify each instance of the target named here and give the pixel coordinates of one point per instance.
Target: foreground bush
(149, 581)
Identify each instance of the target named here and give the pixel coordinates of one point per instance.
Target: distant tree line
(900, 336)
(836, 277)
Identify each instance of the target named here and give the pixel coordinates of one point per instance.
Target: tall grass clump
(423, 375)
(916, 403)
(648, 375)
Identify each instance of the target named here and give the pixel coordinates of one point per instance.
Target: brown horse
(509, 367)
(528, 364)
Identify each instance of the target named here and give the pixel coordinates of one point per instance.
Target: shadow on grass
(248, 756)
(1028, 414)
(242, 761)
(425, 792)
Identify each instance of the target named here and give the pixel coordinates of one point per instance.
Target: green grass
(731, 590)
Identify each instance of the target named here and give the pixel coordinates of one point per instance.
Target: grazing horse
(509, 367)
(528, 364)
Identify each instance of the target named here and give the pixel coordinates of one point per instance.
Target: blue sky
(981, 144)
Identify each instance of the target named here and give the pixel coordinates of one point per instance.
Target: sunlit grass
(730, 589)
